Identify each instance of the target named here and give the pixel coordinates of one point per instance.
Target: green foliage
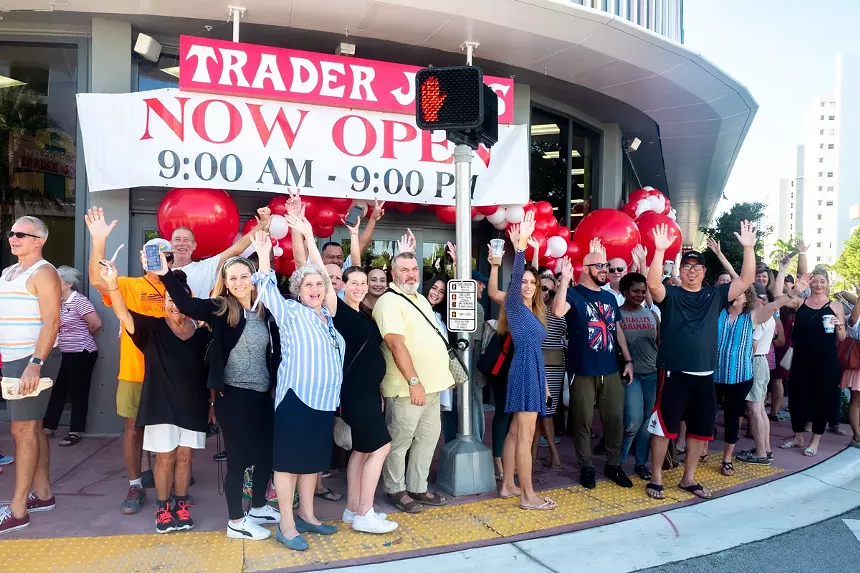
(782, 248)
(724, 231)
(848, 263)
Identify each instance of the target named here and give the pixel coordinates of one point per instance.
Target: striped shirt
(20, 317)
(311, 352)
(75, 335)
(734, 348)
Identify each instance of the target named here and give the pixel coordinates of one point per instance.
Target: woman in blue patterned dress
(524, 316)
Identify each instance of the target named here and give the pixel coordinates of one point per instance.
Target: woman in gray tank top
(642, 331)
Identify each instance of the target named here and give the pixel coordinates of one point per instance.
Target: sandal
(328, 495)
(500, 476)
(428, 498)
(809, 452)
(789, 444)
(70, 440)
(696, 489)
(396, 499)
(728, 467)
(548, 504)
(642, 472)
(655, 491)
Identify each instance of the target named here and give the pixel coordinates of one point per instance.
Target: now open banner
(173, 138)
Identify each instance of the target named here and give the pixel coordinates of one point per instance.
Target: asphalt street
(828, 546)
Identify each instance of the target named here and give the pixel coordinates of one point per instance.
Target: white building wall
(847, 152)
(821, 188)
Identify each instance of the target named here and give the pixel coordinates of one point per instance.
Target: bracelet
(113, 289)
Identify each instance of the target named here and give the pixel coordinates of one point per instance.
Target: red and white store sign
(231, 68)
(178, 139)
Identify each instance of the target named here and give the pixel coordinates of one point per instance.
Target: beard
(407, 288)
(599, 281)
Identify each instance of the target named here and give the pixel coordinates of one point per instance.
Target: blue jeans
(639, 399)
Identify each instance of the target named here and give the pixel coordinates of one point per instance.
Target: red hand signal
(431, 99)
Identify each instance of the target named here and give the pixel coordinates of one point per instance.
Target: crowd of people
(283, 367)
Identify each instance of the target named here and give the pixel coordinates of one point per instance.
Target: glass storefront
(38, 138)
(564, 164)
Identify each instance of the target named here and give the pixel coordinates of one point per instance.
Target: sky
(784, 52)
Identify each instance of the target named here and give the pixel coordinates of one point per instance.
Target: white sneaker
(266, 515)
(247, 529)
(371, 523)
(349, 516)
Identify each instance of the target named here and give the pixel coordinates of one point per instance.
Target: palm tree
(782, 248)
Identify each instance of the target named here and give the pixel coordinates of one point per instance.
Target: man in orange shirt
(144, 295)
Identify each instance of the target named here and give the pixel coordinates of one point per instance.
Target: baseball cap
(163, 245)
(476, 276)
(696, 255)
(760, 289)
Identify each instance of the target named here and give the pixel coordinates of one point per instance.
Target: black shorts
(685, 398)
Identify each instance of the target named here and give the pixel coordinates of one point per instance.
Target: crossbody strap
(357, 354)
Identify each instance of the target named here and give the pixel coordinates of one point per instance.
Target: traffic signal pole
(466, 464)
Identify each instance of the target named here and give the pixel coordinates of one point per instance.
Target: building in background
(848, 145)
(784, 208)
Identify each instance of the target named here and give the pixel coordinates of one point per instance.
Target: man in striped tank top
(29, 322)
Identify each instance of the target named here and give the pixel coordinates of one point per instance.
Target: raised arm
(237, 248)
(367, 235)
(560, 306)
(267, 287)
(109, 275)
(727, 266)
(519, 237)
(307, 232)
(655, 272)
(99, 230)
(197, 308)
(802, 264)
(493, 291)
(354, 243)
(296, 209)
(747, 239)
(777, 287)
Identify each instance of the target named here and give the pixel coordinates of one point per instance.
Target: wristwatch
(36, 361)
(413, 381)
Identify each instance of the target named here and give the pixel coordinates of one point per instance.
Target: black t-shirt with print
(688, 330)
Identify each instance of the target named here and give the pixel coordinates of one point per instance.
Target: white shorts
(163, 438)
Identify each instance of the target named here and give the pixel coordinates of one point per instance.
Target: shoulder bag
(789, 354)
(455, 365)
(342, 431)
(849, 354)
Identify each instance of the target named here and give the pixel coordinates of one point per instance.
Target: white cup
(497, 250)
(827, 321)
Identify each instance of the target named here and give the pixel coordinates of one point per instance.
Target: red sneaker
(34, 503)
(10, 523)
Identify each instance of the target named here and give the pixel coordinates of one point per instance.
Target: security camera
(147, 47)
(633, 144)
(344, 49)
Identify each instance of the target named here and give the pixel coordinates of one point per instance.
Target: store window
(38, 132)
(158, 75)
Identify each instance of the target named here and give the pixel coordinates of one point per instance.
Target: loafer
(303, 526)
(296, 543)
(616, 474)
(587, 478)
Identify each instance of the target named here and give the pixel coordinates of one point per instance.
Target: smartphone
(153, 257)
(353, 215)
(549, 401)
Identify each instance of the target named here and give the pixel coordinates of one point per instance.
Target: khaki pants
(413, 429)
(609, 393)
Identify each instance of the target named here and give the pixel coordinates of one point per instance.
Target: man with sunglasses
(687, 356)
(593, 330)
(30, 294)
(143, 295)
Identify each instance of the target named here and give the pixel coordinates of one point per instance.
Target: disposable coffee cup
(827, 321)
(497, 250)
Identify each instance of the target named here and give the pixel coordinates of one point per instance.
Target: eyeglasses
(20, 235)
(617, 269)
(689, 267)
(599, 266)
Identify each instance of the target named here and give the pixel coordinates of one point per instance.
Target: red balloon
(630, 209)
(562, 231)
(550, 263)
(573, 251)
(339, 204)
(326, 217)
(249, 224)
(447, 213)
(285, 266)
(577, 270)
(542, 226)
(552, 224)
(287, 245)
(474, 212)
(312, 206)
(544, 209)
(530, 252)
(647, 222)
(487, 210)
(278, 205)
(616, 230)
(406, 208)
(529, 207)
(324, 231)
(211, 214)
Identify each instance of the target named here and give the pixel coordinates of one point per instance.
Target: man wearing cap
(203, 273)
(143, 295)
(687, 356)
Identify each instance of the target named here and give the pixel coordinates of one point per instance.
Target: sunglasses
(20, 235)
(599, 266)
(547, 289)
(692, 267)
(617, 269)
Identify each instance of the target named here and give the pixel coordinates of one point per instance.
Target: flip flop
(656, 489)
(696, 489)
(788, 445)
(728, 467)
(508, 496)
(809, 452)
(548, 504)
(328, 495)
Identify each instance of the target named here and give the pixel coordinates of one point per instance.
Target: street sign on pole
(462, 306)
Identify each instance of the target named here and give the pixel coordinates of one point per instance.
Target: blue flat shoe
(297, 543)
(303, 526)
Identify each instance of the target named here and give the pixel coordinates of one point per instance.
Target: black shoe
(220, 456)
(165, 522)
(182, 517)
(600, 448)
(616, 474)
(586, 478)
(147, 480)
(642, 472)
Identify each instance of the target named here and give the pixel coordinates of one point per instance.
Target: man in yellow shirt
(144, 295)
(416, 360)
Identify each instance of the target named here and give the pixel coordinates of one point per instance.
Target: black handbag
(498, 353)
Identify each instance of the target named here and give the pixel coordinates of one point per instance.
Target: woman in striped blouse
(309, 379)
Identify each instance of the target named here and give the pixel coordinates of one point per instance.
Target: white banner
(178, 139)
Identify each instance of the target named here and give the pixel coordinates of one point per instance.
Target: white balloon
(479, 217)
(514, 214)
(277, 251)
(556, 247)
(673, 214)
(500, 226)
(497, 217)
(278, 227)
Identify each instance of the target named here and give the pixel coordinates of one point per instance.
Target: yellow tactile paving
(494, 519)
